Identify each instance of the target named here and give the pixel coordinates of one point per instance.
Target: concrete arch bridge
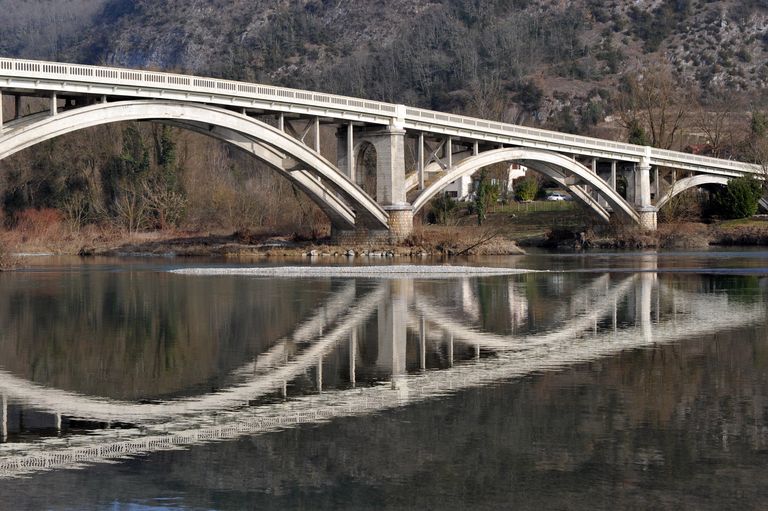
(417, 152)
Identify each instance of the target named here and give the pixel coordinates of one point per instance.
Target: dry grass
(7, 261)
(684, 235)
(461, 240)
(741, 232)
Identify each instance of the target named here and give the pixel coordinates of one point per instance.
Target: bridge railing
(664, 155)
(515, 130)
(184, 83)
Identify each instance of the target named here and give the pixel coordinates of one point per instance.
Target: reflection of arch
(693, 316)
(252, 130)
(365, 165)
(690, 182)
(264, 377)
(552, 164)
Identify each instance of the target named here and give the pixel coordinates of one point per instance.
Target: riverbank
(503, 233)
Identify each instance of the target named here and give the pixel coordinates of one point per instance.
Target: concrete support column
(390, 166)
(317, 134)
(613, 175)
(345, 151)
(351, 152)
(643, 185)
(54, 104)
(390, 180)
(420, 162)
(281, 122)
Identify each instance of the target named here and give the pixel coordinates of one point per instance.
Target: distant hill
(518, 60)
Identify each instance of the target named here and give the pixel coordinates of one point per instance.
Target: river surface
(598, 381)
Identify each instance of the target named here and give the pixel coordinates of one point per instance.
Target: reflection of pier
(397, 305)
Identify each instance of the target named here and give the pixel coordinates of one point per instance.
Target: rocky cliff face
(477, 57)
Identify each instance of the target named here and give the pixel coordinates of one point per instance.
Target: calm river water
(611, 381)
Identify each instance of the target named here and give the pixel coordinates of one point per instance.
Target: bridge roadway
(692, 315)
(282, 127)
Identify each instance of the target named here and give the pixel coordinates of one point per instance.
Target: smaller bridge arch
(551, 164)
(688, 183)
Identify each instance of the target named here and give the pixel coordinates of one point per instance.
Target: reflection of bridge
(282, 127)
(579, 339)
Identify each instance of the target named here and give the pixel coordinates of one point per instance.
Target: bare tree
(656, 102)
(131, 211)
(720, 123)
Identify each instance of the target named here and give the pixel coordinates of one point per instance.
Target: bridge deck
(75, 79)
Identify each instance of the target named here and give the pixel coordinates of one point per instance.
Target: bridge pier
(389, 144)
(642, 195)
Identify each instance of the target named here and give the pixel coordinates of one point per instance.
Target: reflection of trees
(134, 335)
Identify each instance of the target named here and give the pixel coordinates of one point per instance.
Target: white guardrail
(117, 77)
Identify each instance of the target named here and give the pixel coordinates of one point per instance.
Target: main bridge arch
(345, 203)
(690, 182)
(553, 165)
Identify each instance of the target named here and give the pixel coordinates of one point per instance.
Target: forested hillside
(449, 54)
(582, 66)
